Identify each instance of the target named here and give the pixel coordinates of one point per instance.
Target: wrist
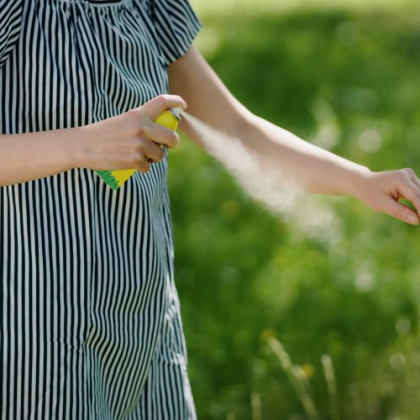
(357, 181)
(80, 153)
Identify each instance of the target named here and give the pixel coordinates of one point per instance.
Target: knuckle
(133, 115)
(140, 129)
(139, 144)
(162, 100)
(133, 124)
(133, 112)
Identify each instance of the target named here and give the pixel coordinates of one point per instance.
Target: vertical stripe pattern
(90, 316)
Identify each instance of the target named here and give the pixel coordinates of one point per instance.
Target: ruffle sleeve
(10, 21)
(176, 26)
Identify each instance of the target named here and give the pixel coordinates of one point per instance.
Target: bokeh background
(275, 306)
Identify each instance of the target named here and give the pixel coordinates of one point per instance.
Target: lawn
(329, 276)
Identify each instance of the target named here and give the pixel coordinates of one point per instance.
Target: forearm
(292, 161)
(282, 155)
(25, 157)
(127, 141)
(298, 163)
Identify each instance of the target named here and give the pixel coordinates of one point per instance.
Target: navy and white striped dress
(90, 316)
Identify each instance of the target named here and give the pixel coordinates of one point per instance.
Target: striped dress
(90, 316)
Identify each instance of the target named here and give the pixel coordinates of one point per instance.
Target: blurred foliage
(347, 80)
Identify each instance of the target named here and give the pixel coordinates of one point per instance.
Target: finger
(411, 175)
(156, 106)
(415, 180)
(142, 164)
(411, 192)
(152, 152)
(161, 135)
(400, 212)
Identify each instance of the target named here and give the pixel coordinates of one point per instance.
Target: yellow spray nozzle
(115, 178)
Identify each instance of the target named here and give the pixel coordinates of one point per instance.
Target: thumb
(400, 212)
(157, 105)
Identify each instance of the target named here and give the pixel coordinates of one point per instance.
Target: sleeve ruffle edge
(176, 26)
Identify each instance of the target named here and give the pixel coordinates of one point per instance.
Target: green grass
(240, 7)
(346, 78)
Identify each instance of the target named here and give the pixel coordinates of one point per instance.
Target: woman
(90, 317)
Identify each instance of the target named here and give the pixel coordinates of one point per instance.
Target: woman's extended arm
(122, 142)
(315, 170)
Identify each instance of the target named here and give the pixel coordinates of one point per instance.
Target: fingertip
(173, 139)
(413, 219)
(180, 102)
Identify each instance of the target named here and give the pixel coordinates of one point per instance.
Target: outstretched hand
(382, 191)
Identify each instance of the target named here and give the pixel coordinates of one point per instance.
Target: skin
(127, 141)
(130, 141)
(315, 170)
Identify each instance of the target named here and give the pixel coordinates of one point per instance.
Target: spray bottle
(115, 178)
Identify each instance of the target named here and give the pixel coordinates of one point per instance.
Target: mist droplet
(264, 181)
